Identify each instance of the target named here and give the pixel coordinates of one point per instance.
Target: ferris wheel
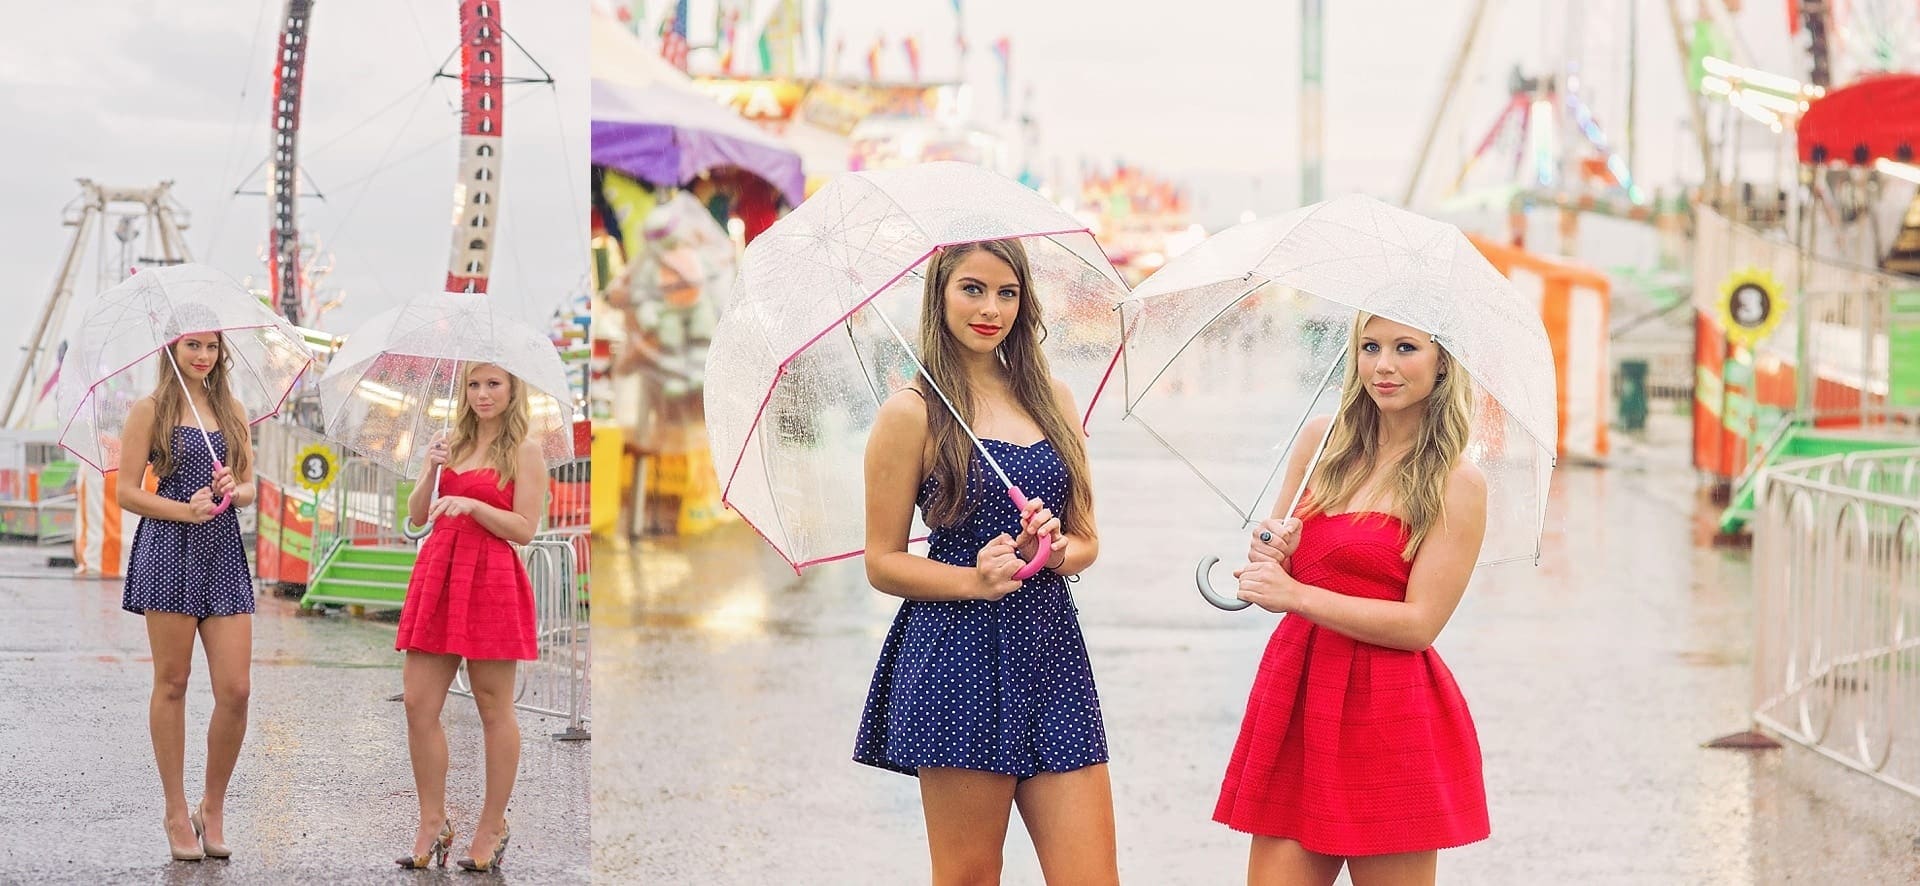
(477, 185)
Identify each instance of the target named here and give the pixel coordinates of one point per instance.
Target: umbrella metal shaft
(977, 445)
(188, 392)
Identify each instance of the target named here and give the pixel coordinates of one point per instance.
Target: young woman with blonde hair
(1357, 748)
(470, 598)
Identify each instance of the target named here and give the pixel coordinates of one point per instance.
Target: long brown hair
(170, 406)
(1027, 375)
(1419, 477)
(503, 454)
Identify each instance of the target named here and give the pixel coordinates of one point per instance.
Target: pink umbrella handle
(1043, 552)
(225, 502)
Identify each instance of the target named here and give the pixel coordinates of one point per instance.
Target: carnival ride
(117, 230)
(1814, 220)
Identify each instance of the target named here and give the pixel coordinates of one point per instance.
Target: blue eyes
(976, 289)
(1403, 347)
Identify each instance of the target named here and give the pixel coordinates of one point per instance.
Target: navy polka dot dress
(1003, 686)
(192, 569)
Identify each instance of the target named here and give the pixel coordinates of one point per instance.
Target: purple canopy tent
(652, 123)
(669, 136)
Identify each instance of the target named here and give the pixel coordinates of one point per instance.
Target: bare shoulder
(1062, 393)
(1311, 434)
(1467, 488)
(530, 449)
(902, 416)
(141, 409)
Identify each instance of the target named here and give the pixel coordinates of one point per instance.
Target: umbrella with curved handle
(407, 529)
(1202, 577)
(1231, 344)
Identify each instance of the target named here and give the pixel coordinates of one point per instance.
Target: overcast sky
(1208, 90)
(130, 92)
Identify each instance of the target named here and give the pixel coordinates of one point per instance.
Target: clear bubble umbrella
(394, 385)
(122, 351)
(1235, 344)
(824, 325)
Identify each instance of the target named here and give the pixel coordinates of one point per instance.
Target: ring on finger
(1265, 537)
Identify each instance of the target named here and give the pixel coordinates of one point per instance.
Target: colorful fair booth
(1800, 355)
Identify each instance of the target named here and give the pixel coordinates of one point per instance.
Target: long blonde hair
(1420, 477)
(1028, 377)
(170, 406)
(503, 454)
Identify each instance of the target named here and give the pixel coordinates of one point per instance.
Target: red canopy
(1856, 124)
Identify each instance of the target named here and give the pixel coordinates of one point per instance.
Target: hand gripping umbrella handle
(1041, 553)
(406, 522)
(225, 501)
(1204, 582)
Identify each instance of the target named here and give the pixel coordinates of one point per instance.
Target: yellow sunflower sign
(1751, 305)
(314, 469)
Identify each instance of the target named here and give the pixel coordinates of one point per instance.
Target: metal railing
(556, 684)
(37, 487)
(362, 502)
(1851, 311)
(1850, 344)
(1836, 664)
(362, 506)
(569, 499)
(277, 446)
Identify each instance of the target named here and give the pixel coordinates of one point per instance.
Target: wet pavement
(728, 692)
(322, 793)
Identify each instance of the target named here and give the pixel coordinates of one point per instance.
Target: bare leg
(1070, 817)
(967, 812)
(1399, 869)
(170, 637)
(424, 679)
(500, 724)
(1274, 861)
(228, 641)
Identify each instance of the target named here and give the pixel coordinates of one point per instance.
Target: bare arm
(895, 465)
(1441, 570)
(136, 443)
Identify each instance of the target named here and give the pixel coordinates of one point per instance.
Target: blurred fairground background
(1713, 203)
(336, 159)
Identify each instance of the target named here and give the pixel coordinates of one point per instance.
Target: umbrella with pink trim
(824, 325)
(121, 353)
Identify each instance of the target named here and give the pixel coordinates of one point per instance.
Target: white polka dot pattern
(192, 569)
(1003, 686)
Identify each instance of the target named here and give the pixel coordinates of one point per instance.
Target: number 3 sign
(1751, 305)
(314, 468)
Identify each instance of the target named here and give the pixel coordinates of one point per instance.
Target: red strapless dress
(469, 594)
(1347, 747)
